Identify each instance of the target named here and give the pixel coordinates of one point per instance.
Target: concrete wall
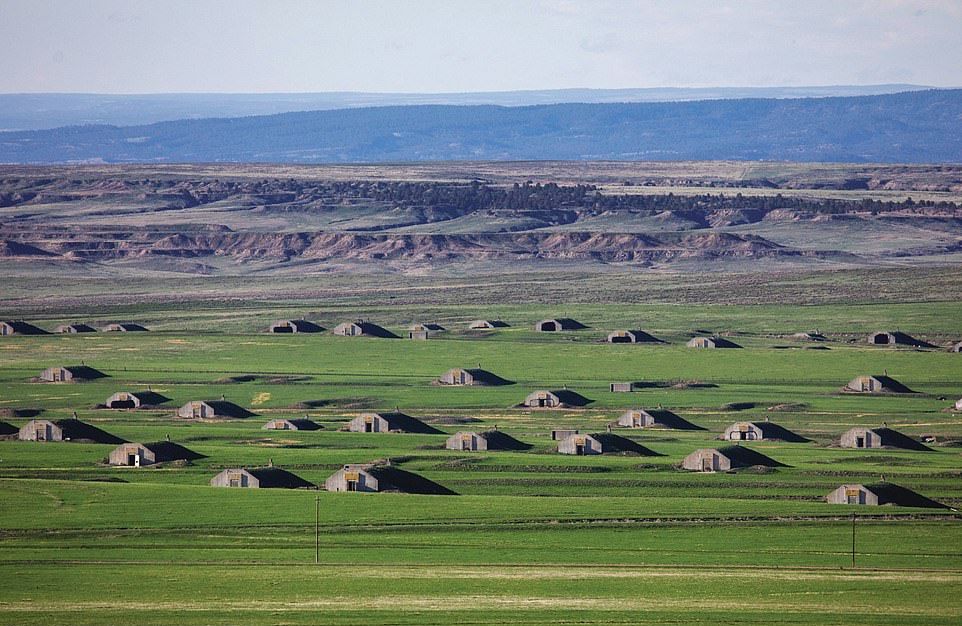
(348, 329)
(542, 399)
(621, 336)
(56, 375)
(852, 494)
(707, 460)
(701, 342)
(48, 431)
(196, 409)
(635, 419)
(369, 423)
(123, 397)
(866, 436)
(579, 444)
(466, 441)
(743, 431)
(122, 453)
(235, 478)
(456, 376)
(865, 384)
(342, 480)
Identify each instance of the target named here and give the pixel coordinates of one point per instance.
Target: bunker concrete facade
(580, 445)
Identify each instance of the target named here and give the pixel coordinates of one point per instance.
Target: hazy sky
(139, 46)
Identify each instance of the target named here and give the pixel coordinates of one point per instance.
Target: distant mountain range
(914, 126)
(35, 111)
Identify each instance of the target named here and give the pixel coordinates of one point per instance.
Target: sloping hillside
(175, 221)
(920, 126)
(34, 111)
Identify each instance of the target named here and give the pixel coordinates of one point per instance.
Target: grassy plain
(534, 537)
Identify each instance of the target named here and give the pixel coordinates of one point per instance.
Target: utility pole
(853, 540)
(317, 536)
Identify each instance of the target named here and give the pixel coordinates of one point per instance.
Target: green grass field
(533, 537)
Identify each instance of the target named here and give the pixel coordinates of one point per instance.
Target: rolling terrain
(794, 263)
(217, 220)
(34, 111)
(533, 536)
(909, 127)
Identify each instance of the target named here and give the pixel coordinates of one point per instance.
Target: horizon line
(912, 86)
